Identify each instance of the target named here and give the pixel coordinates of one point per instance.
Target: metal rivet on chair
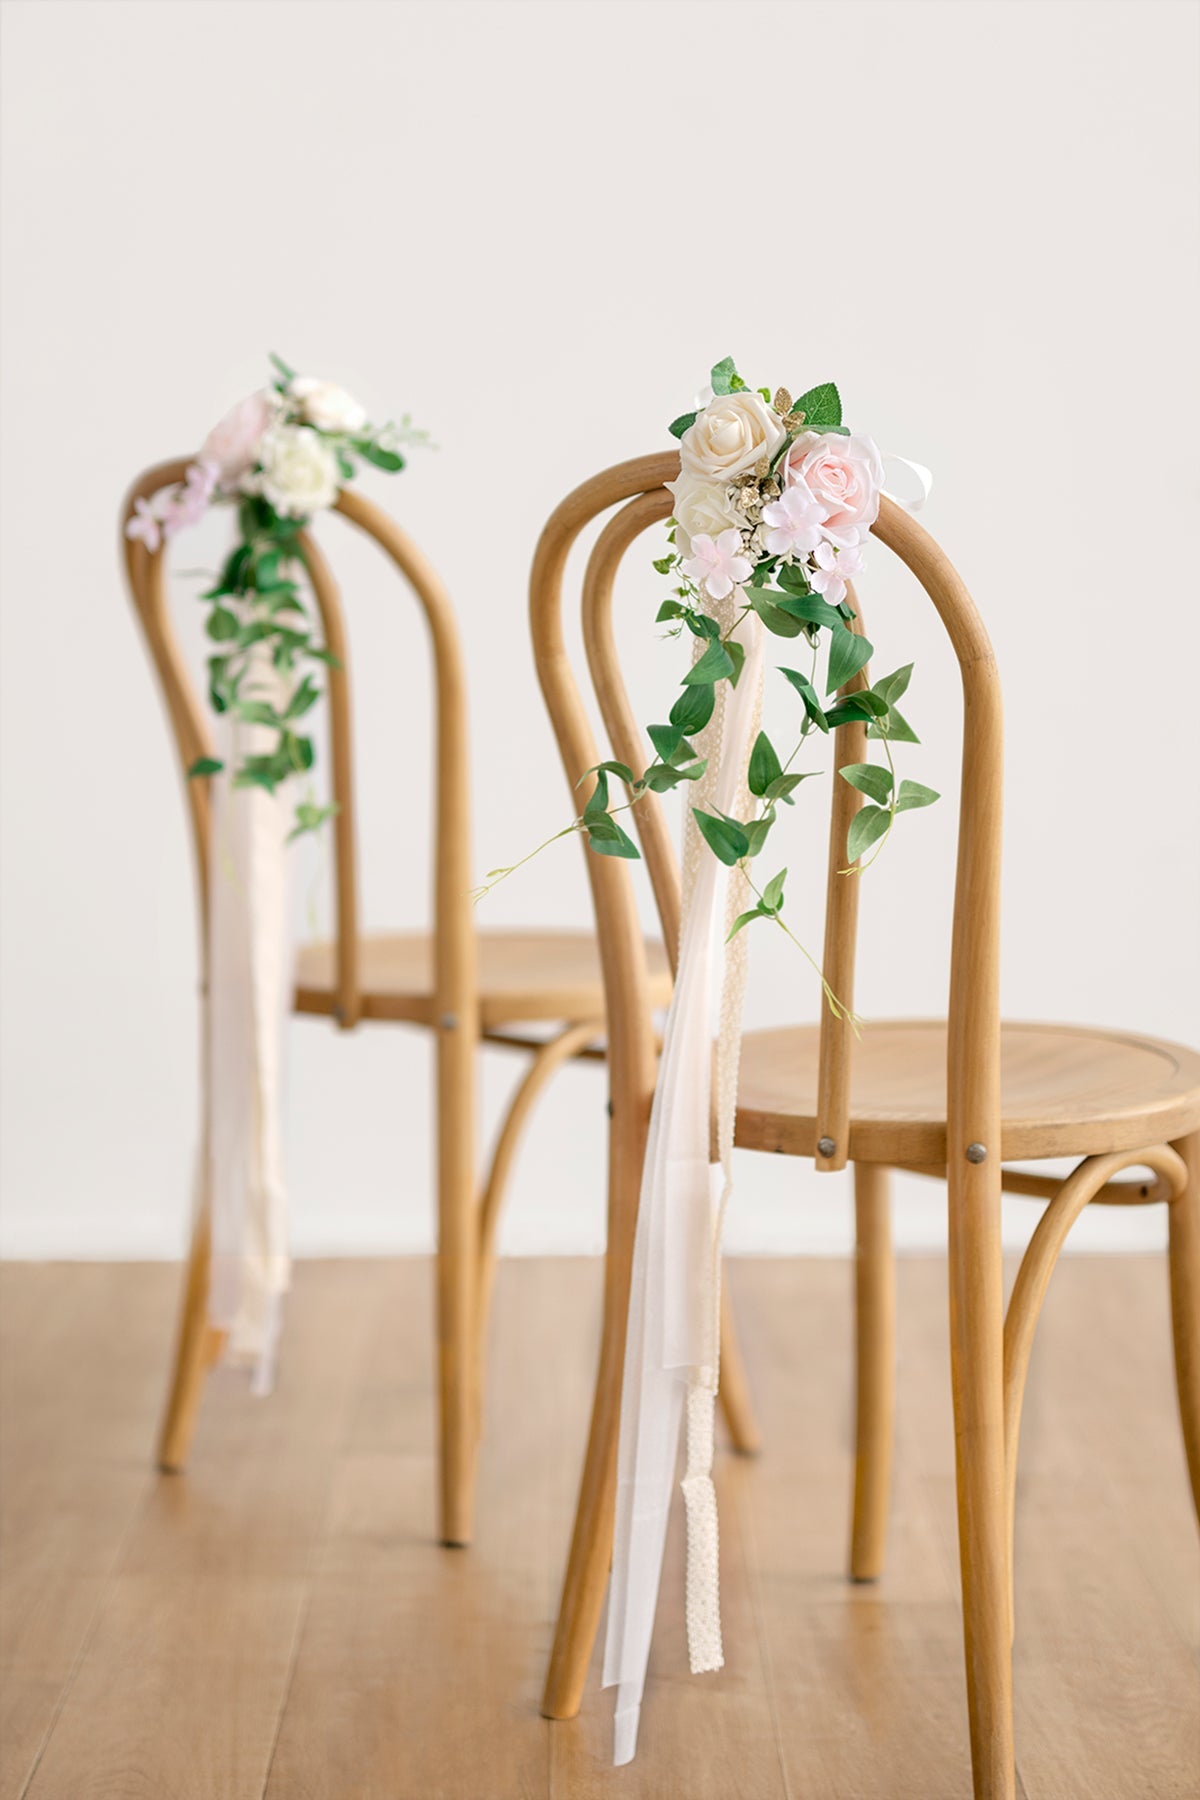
(976, 1153)
(826, 1146)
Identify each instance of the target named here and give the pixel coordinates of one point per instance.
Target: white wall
(535, 226)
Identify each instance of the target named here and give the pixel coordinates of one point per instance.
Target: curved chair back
(454, 944)
(974, 1019)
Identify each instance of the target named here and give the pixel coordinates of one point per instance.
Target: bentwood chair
(468, 988)
(958, 1098)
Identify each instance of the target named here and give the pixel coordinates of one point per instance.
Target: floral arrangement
(774, 502)
(278, 457)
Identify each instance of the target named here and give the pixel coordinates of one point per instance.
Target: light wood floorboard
(279, 1625)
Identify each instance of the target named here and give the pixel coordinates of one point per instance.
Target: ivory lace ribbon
(250, 974)
(672, 1346)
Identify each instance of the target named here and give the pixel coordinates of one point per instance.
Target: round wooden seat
(523, 975)
(1065, 1091)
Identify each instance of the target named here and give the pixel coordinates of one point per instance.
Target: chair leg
(193, 1353)
(875, 1369)
(591, 1542)
(734, 1393)
(1184, 1215)
(457, 1261)
(976, 1358)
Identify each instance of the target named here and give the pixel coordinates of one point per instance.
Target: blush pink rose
(846, 475)
(231, 447)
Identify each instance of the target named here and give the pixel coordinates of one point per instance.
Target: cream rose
(299, 471)
(702, 508)
(734, 432)
(326, 405)
(846, 475)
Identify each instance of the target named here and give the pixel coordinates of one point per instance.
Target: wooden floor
(278, 1622)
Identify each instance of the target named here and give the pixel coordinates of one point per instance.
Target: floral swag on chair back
(773, 504)
(279, 457)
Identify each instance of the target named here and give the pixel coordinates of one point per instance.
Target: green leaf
(784, 786)
(848, 652)
(663, 565)
(266, 571)
(772, 894)
(852, 707)
(347, 471)
(670, 609)
(868, 824)
(660, 778)
(868, 779)
(913, 794)
(821, 406)
(700, 624)
(776, 620)
(310, 817)
(621, 770)
(262, 778)
(746, 918)
(724, 375)
(306, 695)
(756, 832)
(792, 577)
(715, 665)
(666, 740)
(257, 712)
(606, 838)
(222, 624)
(808, 695)
(205, 765)
(812, 609)
(693, 709)
(319, 654)
(727, 841)
(765, 766)
(678, 426)
(737, 655)
(894, 726)
(890, 687)
(288, 374)
(372, 452)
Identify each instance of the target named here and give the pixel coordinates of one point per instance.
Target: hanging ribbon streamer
(250, 978)
(673, 1334)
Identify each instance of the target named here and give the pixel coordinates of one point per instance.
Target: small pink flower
(145, 525)
(231, 447)
(717, 564)
(834, 569)
(795, 521)
(845, 474)
(188, 504)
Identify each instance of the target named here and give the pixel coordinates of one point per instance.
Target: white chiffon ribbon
(672, 1344)
(250, 974)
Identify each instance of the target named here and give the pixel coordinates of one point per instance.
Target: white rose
(702, 508)
(299, 471)
(326, 405)
(732, 433)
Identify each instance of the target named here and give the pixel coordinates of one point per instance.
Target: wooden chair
(467, 988)
(957, 1099)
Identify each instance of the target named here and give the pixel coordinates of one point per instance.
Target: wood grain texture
(214, 1637)
(523, 975)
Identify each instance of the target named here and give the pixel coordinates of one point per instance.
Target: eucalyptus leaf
(737, 655)
(772, 894)
(727, 841)
(757, 831)
(869, 779)
(808, 695)
(693, 709)
(848, 653)
(666, 740)
(205, 765)
(867, 826)
(891, 687)
(715, 665)
(784, 786)
(894, 726)
(683, 423)
(724, 375)
(773, 616)
(607, 839)
(375, 453)
(744, 919)
(821, 406)
(812, 609)
(765, 766)
(912, 794)
(222, 625)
